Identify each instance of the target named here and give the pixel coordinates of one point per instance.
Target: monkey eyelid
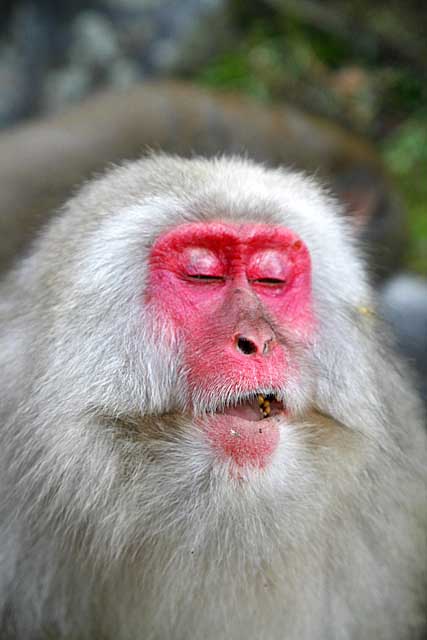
(272, 282)
(205, 278)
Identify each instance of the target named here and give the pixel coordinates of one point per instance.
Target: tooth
(261, 399)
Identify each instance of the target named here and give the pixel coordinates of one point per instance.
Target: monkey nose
(251, 343)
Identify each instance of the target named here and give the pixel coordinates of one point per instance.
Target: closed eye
(205, 278)
(272, 282)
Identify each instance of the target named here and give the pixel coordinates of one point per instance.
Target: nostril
(246, 346)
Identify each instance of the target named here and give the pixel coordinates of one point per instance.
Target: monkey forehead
(140, 201)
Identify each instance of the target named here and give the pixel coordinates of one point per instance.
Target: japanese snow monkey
(204, 435)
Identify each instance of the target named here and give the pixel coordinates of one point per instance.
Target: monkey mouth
(257, 407)
(246, 432)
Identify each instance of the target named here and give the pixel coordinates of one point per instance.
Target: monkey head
(203, 295)
(206, 294)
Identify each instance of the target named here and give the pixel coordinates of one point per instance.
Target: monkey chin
(245, 433)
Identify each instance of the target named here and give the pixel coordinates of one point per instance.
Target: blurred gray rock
(54, 53)
(404, 305)
(13, 93)
(94, 40)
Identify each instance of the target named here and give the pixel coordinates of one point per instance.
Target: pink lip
(248, 412)
(242, 435)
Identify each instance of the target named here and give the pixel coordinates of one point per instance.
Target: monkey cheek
(244, 442)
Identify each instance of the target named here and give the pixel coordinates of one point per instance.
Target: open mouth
(256, 407)
(248, 431)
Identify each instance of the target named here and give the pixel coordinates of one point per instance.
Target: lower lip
(246, 442)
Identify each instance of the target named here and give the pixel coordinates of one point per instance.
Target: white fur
(107, 535)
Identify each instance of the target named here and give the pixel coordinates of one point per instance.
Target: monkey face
(240, 298)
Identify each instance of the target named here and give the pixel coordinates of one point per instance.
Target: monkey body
(142, 496)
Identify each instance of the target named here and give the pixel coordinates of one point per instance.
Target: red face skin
(232, 291)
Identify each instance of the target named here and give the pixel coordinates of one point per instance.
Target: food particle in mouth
(264, 405)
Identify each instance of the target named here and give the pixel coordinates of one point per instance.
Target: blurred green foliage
(278, 55)
(405, 152)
